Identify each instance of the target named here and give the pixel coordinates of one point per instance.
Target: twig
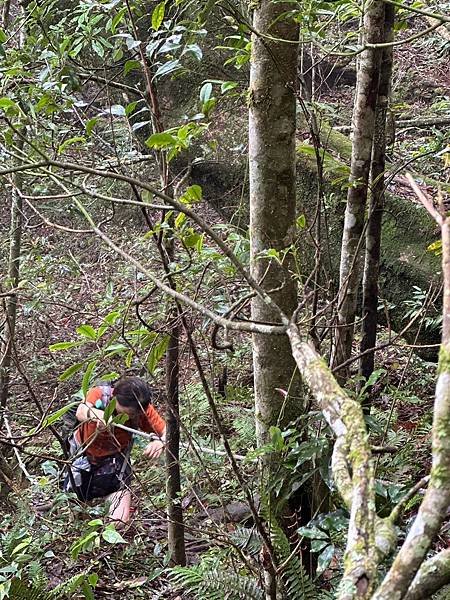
(153, 437)
(17, 453)
(398, 509)
(424, 199)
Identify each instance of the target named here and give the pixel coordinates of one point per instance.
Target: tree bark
(272, 208)
(376, 204)
(173, 485)
(436, 501)
(432, 576)
(10, 301)
(363, 129)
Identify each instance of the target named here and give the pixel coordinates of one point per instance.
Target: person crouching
(102, 465)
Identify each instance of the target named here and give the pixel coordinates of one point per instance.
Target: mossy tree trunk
(433, 509)
(376, 205)
(363, 130)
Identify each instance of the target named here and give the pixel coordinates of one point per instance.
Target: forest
(225, 299)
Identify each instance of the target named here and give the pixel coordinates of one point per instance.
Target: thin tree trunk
(272, 121)
(173, 485)
(363, 129)
(376, 204)
(6, 13)
(10, 302)
(272, 208)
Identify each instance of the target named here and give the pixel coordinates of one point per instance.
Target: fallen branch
(429, 122)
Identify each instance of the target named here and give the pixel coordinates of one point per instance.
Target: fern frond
(246, 540)
(67, 588)
(25, 590)
(211, 583)
(297, 582)
(295, 579)
(219, 585)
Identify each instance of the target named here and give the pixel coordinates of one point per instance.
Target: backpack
(93, 480)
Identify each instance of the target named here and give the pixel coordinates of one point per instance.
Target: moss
(440, 476)
(444, 360)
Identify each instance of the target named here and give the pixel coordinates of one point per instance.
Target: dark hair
(133, 392)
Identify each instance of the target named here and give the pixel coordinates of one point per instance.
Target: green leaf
(63, 346)
(68, 373)
(435, 247)
(102, 330)
(325, 558)
(87, 591)
(93, 578)
(109, 410)
(129, 359)
(228, 86)
(111, 376)
(22, 546)
(3, 37)
(193, 49)
(157, 353)
(58, 414)
(90, 126)
(131, 65)
(74, 140)
(83, 544)
(95, 523)
(6, 104)
(87, 377)
(158, 15)
(205, 92)
(130, 108)
(161, 140)
(98, 48)
(301, 222)
(192, 239)
(312, 533)
(87, 331)
(169, 67)
(192, 194)
(112, 536)
(181, 218)
(276, 438)
(115, 348)
(112, 317)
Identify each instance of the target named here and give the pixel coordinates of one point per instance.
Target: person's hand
(154, 449)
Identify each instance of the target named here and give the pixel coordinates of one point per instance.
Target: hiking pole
(152, 437)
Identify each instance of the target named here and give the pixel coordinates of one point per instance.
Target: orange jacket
(100, 444)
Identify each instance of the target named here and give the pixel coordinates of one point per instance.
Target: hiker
(102, 467)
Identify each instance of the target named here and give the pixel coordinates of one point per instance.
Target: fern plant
(294, 578)
(209, 581)
(22, 577)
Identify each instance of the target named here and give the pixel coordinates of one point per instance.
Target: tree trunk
(363, 129)
(272, 208)
(376, 204)
(11, 301)
(173, 485)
